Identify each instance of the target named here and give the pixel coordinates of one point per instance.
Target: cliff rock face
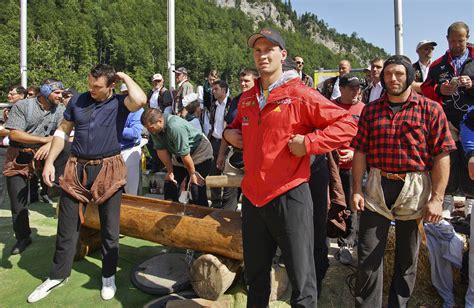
(260, 10)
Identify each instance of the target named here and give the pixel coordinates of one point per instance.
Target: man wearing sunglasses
(307, 80)
(424, 49)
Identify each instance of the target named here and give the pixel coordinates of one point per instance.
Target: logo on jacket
(444, 75)
(285, 101)
(277, 109)
(245, 120)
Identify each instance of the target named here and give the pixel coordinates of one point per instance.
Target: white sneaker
(468, 204)
(108, 288)
(45, 288)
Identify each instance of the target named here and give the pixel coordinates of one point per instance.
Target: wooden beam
(224, 180)
(200, 228)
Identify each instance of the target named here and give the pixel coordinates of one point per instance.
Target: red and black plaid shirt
(405, 141)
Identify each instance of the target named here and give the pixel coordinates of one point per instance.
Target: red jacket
(291, 108)
(355, 111)
(443, 70)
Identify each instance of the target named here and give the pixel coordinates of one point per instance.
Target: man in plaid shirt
(404, 138)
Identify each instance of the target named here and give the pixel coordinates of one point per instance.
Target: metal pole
(398, 27)
(23, 51)
(171, 42)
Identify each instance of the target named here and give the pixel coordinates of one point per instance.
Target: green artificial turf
(21, 274)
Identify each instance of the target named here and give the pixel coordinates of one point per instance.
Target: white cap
(157, 77)
(123, 87)
(188, 99)
(425, 42)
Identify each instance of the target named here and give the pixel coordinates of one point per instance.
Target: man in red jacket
(279, 122)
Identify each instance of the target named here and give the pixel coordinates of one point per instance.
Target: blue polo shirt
(98, 126)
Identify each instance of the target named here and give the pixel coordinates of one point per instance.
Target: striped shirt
(28, 115)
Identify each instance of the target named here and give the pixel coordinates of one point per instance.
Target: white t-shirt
(424, 70)
(375, 92)
(335, 91)
(219, 119)
(154, 98)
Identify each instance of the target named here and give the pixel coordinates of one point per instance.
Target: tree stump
(211, 276)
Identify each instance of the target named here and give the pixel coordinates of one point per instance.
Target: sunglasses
(299, 62)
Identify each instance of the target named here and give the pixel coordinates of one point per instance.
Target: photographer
(449, 82)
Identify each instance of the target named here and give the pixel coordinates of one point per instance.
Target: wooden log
(200, 228)
(89, 240)
(199, 303)
(211, 276)
(224, 180)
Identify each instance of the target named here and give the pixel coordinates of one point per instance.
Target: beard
(397, 91)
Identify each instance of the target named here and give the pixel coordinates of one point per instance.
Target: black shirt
(98, 125)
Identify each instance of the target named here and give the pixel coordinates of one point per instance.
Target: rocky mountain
(316, 30)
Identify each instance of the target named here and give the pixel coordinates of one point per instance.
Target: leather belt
(26, 150)
(393, 176)
(89, 161)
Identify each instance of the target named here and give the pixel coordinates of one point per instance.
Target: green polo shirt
(178, 136)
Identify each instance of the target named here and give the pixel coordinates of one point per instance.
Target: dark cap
(181, 70)
(270, 34)
(399, 60)
(349, 80)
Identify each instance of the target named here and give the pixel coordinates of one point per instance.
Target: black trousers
(227, 197)
(350, 237)
(373, 232)
(199, 193)
(69, 226)
(287, 222)
(459, 179)
(18, 192)
(3, 179)
(318, 185)
(155, 163)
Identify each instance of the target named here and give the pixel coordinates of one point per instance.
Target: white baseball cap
(426, 42)
(157, 77)
(123, 87)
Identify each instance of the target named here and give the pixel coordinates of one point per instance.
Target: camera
(455, 81)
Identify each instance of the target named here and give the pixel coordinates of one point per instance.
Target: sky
(373, 20)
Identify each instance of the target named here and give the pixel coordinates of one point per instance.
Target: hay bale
(423, 292)
(279, 283)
